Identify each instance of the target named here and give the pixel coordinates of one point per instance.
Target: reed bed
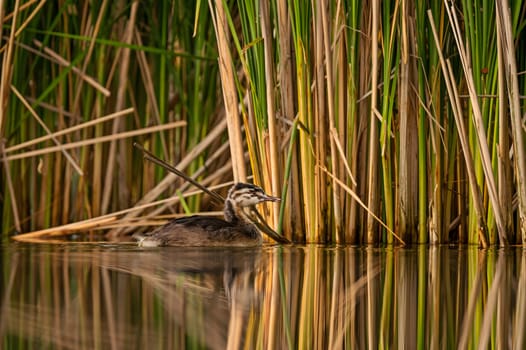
(384, 122)
(376, 122)
(82, 82)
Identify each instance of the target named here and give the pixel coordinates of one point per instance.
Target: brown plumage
(235, 230)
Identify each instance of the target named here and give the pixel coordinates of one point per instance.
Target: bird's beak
(272, 199)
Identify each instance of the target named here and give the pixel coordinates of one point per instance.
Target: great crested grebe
(237, 229)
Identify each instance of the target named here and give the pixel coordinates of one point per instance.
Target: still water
(80, 296)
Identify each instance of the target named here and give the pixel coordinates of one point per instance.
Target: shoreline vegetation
(375, 122)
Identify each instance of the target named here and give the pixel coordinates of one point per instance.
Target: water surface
(104, 296)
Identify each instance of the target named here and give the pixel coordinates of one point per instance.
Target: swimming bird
(237, 229)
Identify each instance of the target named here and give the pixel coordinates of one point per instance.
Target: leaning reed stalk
(512, 84)
(102, 139)
(462, 135)
(479, 120)
(504, 164)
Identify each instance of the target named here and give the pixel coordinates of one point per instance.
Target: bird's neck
(234, 214)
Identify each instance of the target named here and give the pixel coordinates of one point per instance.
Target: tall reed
(374, 121)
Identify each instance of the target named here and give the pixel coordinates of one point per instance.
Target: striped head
(244, 195)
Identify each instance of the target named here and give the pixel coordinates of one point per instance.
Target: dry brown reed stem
(512, 84)
(69, 130)
(6, 71)
(504, 170)
(11, 188)
(476, 193)
(358, 96)
(372, 171)
(68, 228)
(53, 56)
(46, 129)
(98, 140)
(275, 161)
(319, 128)
(226, 72)
(407, 208)
(293, 203)
(108, 220)
(323, 8)
(58, 241)
(342, 156)
(10, 15)
(119, 104)
(462, 135)
(342, 109)
(30, 17)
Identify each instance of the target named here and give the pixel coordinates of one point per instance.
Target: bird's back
(199, 230)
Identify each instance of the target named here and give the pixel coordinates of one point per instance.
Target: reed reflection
(73, 296)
